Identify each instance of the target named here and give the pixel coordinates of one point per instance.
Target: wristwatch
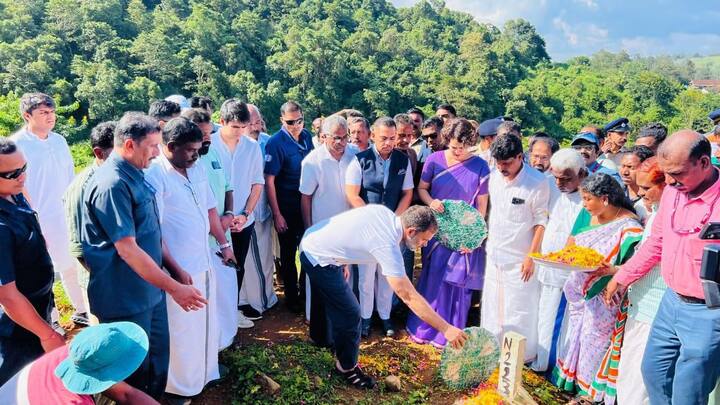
(225, 246)
(246, 213)
(228, 212)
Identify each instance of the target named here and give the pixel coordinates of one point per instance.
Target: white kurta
(183, 204)
(564, 208)
(508, 303)
(50, 170)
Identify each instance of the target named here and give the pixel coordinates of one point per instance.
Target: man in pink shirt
(682, 358)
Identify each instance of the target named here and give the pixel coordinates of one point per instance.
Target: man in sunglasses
(431, 134)
(26, 272)
(50, 172)
(284, 153)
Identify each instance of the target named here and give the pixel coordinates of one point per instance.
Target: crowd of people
(180, 230)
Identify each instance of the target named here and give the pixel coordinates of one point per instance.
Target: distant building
(706, 85)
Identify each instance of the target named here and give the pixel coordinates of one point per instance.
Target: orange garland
(574, 255)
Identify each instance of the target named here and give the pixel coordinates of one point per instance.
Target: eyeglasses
(337, 139)
(12, 175)
(703, 221)
(590, 148)
(294, 122)
(429, 136)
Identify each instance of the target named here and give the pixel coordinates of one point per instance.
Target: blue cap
(715, 116)
(101, 356)
(180, 100)
(586, 136)
(619, 125)
(489, 127)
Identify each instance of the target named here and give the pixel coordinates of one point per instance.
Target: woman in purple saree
(449, 277)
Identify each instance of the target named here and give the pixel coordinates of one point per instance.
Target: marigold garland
(574, 255)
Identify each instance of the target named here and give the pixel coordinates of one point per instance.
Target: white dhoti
(58, 245)
(193, 341)
(257, 287)
(510, 304)
(630, 385)
(227, 313)
(550, 297)
(373, 288)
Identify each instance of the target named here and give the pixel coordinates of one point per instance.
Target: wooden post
(512, 356)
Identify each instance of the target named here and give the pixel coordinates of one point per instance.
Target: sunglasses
(295, 122)
(430, 136)
(12, 175)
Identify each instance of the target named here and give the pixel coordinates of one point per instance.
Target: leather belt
(690, 300)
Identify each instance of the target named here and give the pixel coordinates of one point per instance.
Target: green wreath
(460, 225)
(474, 363)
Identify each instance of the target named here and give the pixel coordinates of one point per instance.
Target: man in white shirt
(567, 167)
(242, 155)
(368, 235)
(257, 288)
(187, 211)
(322, 185)
(379, 175)
(519, 199)
(50, 171)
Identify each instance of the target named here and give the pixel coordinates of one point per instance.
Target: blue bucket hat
(101, 356)
(586, 136)
(714, 116)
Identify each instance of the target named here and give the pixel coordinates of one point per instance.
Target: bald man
(682, 358)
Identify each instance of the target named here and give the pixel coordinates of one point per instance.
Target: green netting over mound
(460, 225)
(474, 363)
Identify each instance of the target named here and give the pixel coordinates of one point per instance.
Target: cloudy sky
(581, 27)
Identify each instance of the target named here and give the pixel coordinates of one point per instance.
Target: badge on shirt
(268, 158)
(216, 165)
(402, 172)
(517, 201)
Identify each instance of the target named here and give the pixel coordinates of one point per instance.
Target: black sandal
(357, 378)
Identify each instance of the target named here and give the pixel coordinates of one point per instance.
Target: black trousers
(289, 242)
(241, 246)
(151, 376)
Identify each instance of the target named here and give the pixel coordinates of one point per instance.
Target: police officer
(617, 133)
(26, 272)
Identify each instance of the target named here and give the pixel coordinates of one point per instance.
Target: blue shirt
(119, 203)
(24, 260)
(283, 159)
(596, 167)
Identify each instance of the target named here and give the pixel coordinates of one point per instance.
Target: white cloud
(591, 4)
(675, 43)
(580, 34)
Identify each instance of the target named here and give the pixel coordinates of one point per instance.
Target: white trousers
(374, 288)
(193, 341)
(257, 288)
(550, 297)
(227, 313)
(510, 304)
(630, 385)
(58, 245)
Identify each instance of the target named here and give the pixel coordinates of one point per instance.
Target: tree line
(99, 59)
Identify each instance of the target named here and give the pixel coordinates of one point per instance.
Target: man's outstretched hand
(455, 337)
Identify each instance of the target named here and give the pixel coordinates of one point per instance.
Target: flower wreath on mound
(474, 363)
(460, 226)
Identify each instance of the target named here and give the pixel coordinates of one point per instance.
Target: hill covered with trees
(101, 58)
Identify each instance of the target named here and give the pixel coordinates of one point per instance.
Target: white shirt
(365, 235)
(564, 209)
(323, 178)
(354, 173)
(516, 207)
(246, 168)
(50, 170)
(183, 204)
(262, 208)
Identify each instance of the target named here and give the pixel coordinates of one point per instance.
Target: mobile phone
(230, 263)
(711, 231)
